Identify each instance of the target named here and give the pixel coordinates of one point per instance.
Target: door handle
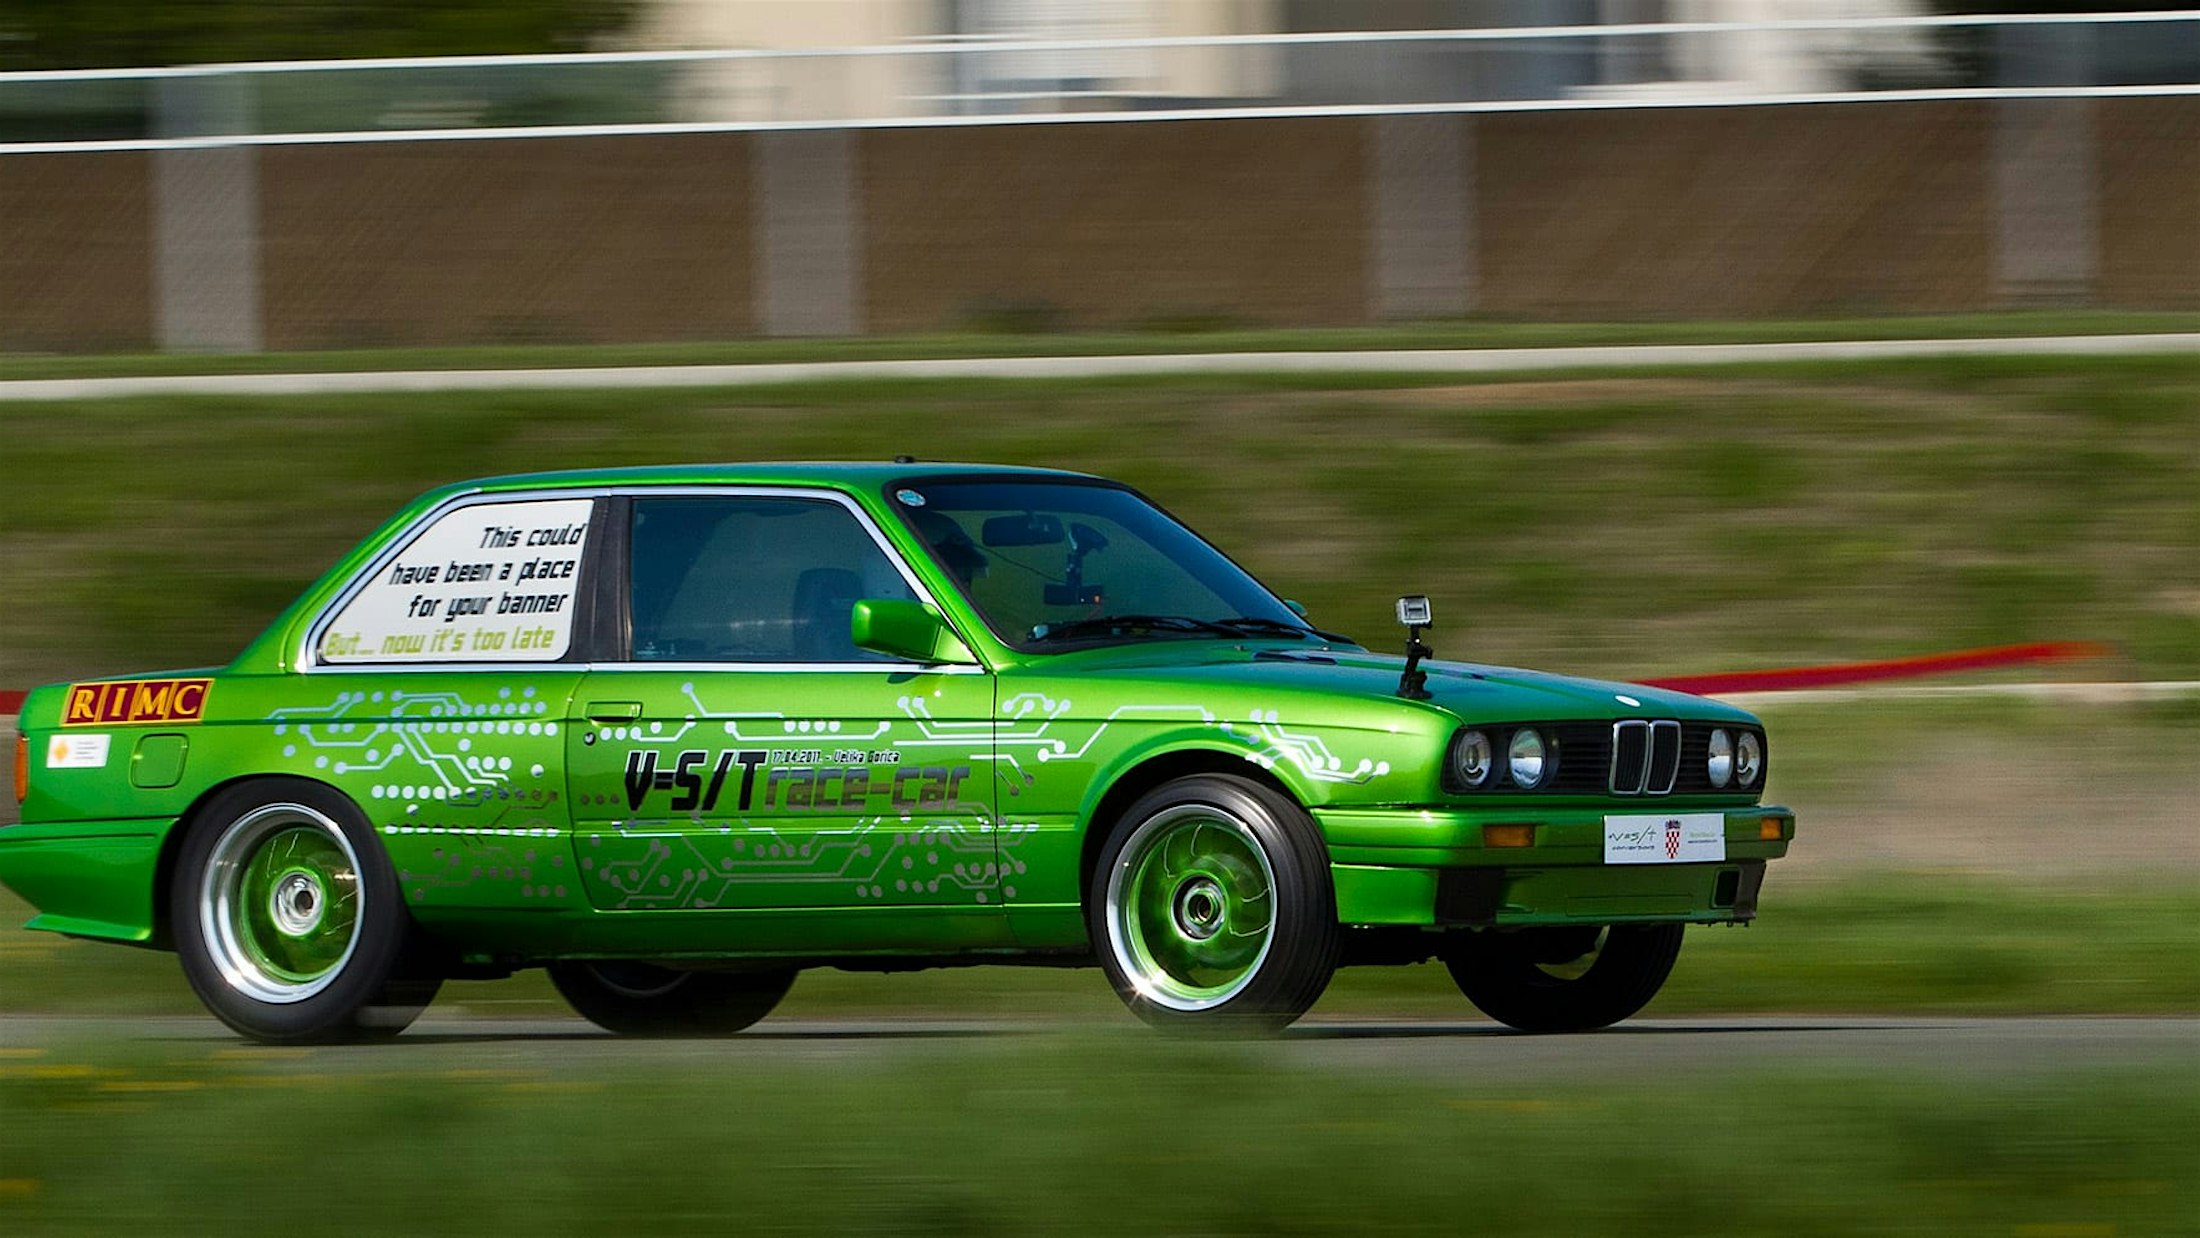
(614, 711)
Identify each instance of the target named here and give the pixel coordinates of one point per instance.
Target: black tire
(338, 884)
(1564, 980)
(1156, 960)
(643, 999)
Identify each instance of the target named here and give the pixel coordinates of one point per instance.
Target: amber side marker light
(22, 768)
(1768, 830)
(1508, 836)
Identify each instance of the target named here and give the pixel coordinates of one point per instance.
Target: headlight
(1472, 760)
(1718, 763)
(1525, 758)
(1749, 759)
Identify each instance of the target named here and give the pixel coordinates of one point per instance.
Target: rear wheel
(1566, 979)
(643, 999)
(287, 919)
(1212, 907)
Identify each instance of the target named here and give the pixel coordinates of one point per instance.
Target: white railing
(1014, 81)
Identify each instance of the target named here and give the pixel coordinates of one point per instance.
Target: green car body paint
(730, 721)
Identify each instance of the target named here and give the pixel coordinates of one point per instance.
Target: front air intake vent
(1646, 757)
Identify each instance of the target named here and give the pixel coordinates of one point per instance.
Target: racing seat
(824, 597)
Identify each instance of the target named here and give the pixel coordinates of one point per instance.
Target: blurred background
(593, 171)
(212, 189)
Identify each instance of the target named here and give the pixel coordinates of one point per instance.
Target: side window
(489, 582)
(757, 579)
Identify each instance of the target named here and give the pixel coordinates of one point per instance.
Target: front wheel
(1564, 979)
(643, 999)
(1212, 907)
(287, 919)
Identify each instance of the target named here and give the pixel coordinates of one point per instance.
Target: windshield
(1053, 565)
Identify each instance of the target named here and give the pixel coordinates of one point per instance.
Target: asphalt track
(1385, 361)
(1640, 1049)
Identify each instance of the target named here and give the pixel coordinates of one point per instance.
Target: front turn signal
(1508, 836)
(1768, 830)
(22, 768)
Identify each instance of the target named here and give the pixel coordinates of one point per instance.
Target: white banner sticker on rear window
(493, 582)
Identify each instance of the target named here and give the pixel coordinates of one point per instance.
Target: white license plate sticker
(1676, 838)
(77, 752)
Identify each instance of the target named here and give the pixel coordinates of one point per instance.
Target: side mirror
(906, 629)
(1295, 606)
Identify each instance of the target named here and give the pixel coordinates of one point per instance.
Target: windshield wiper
(1102, 625)
(1240, 625)
(1250, 625)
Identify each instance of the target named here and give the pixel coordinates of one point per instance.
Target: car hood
(1472, 691)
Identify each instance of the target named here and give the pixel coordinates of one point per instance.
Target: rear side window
(752, 579)
(488, 582)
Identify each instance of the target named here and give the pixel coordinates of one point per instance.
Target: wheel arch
(1153, 771)
(164, 868)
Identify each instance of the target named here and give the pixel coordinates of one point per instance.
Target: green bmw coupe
(678, 733)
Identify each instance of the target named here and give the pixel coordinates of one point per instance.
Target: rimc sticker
(135, 700)
(493, 582)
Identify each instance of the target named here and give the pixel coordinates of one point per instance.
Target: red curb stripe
(1789, 679)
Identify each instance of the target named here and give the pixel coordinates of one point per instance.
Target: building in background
(958, 73)
(1739, 61)
(1759, 62)
(952, 60)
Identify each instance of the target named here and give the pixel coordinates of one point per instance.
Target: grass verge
(1627, 525)
(1202, 338)
(1075, 1136)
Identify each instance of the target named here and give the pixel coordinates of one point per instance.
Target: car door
(433, 690)
(743, 752)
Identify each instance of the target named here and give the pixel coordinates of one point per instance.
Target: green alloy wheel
(280, 903)
(1564, 979)
(644, 999)
(1215, 907)
(287, 918)
(1195, 905)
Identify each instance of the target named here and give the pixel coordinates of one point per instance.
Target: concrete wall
(1732, 212)
(1668, 213)
(76, 252)
(2149, 188)
(1115, 223)
(581, 239)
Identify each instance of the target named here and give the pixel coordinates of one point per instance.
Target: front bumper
(1431, 868)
